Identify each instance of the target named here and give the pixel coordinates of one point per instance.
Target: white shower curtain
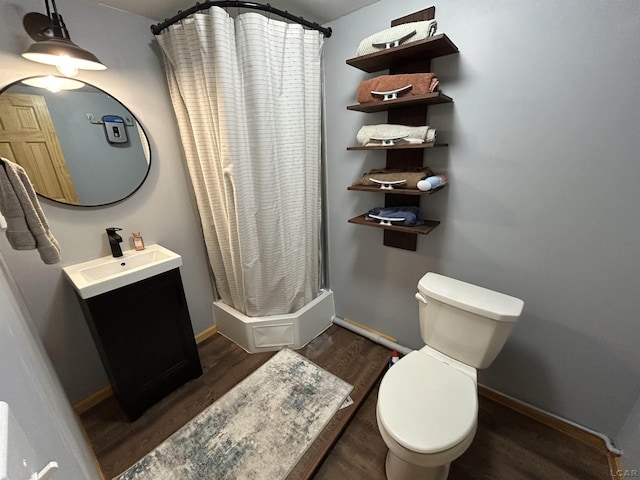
(247, 96)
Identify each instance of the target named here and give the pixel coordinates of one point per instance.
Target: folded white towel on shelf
(370, 135)
(423, 29)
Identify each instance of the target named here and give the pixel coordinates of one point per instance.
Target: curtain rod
(158, 27)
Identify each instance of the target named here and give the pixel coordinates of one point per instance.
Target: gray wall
(101, 172)
(35, 397)
(543, 196)
(629, 438)
(163, 209)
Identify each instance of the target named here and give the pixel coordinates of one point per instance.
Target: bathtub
(272, 332)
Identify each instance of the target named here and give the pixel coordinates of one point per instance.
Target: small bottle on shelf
(138, 242)
(432, 182)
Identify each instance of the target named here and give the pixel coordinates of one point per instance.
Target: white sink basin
(108, 273)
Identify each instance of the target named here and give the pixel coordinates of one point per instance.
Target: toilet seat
(427, 406)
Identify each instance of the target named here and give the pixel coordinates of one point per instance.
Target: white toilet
(427, 407)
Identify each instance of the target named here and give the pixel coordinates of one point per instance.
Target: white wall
(543, 196)
(163, 209)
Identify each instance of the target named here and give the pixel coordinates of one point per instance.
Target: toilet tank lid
(471, 298)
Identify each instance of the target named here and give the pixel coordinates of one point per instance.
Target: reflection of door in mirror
(28, 137)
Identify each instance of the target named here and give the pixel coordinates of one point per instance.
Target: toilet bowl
(427, 416)
(427, 410)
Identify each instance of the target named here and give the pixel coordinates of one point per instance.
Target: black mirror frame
(139, 124)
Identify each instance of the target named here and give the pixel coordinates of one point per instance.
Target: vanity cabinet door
(144, 335)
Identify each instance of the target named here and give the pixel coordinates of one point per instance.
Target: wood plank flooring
(119, 443)
(508, 445)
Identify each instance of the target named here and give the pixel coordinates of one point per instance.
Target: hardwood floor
(119, 443)
(508, 445)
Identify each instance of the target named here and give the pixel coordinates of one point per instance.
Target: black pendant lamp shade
(53, 45)
(53, 50)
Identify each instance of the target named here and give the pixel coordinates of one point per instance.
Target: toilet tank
(464, 321)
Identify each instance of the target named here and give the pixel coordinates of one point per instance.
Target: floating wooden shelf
(425, 229)
(402, 146)
(426, 99)
(413, 57)
(396, 191)
(436, 46)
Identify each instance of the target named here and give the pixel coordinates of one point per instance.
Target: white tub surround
(272, 332)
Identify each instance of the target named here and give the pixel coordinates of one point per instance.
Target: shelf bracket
(387, 185)
(387, 221)
(395, 42)
(392, 94)
(388, 141)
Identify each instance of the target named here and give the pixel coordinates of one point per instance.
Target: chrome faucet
(114, 241)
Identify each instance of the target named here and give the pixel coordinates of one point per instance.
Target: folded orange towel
(421, 83)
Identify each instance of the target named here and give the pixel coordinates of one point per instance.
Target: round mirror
(78, 144)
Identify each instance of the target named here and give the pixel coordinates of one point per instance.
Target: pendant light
(53, 45)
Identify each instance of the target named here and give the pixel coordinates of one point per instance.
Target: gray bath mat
(258, 430)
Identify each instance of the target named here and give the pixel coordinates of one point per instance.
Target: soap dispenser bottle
(138, 242)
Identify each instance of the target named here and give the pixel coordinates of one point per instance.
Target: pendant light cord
(57, 22)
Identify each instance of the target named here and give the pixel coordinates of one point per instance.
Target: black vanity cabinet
(144, 335)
